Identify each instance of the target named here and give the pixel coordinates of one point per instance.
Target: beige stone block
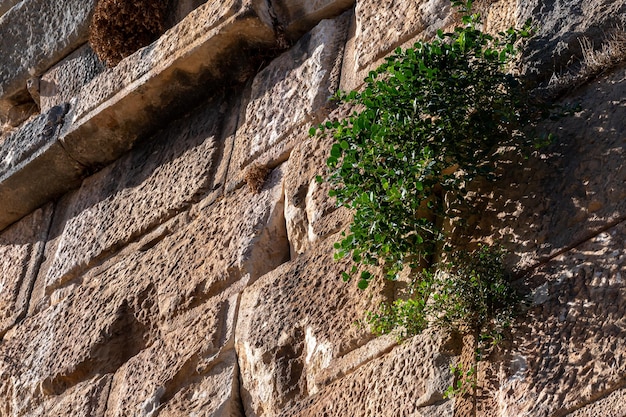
(570, 348)
(379, 27)
(55, 28)
(63, 81)
(287, 98)
(610, 406)
(135, 194)
(564, 194)
(208, 49)
(21, 250)
(298, 16)
(159, 316)
(294, 323)
(311, 215)
(408, 381)
(87, 399)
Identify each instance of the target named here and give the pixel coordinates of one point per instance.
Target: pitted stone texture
(310, 213)
(408, 381)
(293, 323)
(159, 316)
(21, 249)
(562, 24)
(382, 26)
(299, 16)
(609, 406)
(215, 394)
(54, 28)
(64, 80)
(87, 399)
(571, 348)
(156, 180)
(5, 5)
(288, 97)
(569, 191)
(34, 167)
(193, 60)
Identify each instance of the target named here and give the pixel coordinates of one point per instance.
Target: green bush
(434, 117)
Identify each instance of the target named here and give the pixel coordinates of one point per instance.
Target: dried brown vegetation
(120, 27)
(255, 177)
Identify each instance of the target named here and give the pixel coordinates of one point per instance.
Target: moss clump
(256, 176)
(120, 27)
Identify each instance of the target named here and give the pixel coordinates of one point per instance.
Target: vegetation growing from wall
(119, 28)
(433, 118)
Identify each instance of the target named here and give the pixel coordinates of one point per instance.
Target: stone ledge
(55, 28)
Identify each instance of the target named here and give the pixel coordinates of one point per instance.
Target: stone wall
(140, 275)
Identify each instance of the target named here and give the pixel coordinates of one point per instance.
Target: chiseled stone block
(288, 97)
(36, 35)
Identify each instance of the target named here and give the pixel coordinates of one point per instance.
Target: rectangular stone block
(382, 26)
(408, 381)
(34, 167)
(297, 322)
(279, 107)
(570, 348)
(299, 16)
(63, 81)
(54, 29)
(158, 179)
(160, 315)
(21, 250)
(193, 60)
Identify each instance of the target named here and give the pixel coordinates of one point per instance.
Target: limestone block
(34, 167)
(570, 349)
(309, 212)
(21, 248)
(64, 80)
(568, 192)
(611, 405)
(380, 27)
(408, 381)
(294, 323)
(87, 399)
(298, 17)
(5, 5)
(215, 394)
(280, 108)
(136, 193)
(562, 24)
(160, 316)
(55, 28)
(195, 59)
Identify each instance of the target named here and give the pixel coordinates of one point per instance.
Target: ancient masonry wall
(140, 276)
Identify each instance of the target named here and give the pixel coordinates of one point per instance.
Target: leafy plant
(434, 117)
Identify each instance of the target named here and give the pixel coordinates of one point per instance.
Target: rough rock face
(140, 277)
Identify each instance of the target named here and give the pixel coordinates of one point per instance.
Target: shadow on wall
(566, 193)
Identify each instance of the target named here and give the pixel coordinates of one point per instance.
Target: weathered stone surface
(34, 167)
(279, 109)
(408, 381)
(216, 394)
(144, 188)
(159, 316)
(21, 248)
(5, 5)
(610, 406)
(298, 17)
(571, 348)
(566, 194)
(293, 323)
(310, 214)
(87, 399)
(64, 80)
(562, 25)
(380, 27)
(55, 28)
(192, 60)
